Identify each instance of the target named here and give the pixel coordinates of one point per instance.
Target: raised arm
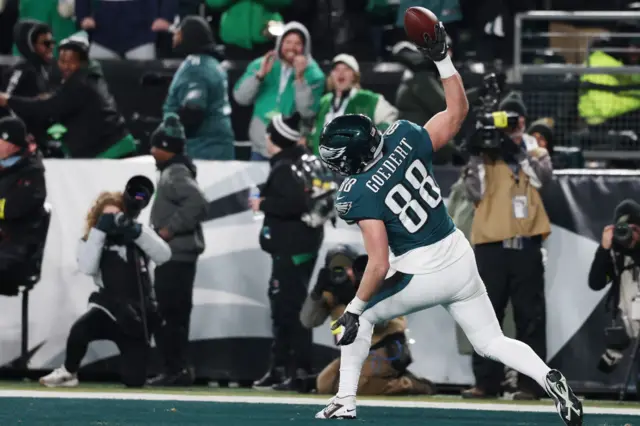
(443, 126)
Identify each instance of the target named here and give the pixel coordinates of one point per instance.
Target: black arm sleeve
(191, 117)
(289, 199)
(602, 270)
(66, 101)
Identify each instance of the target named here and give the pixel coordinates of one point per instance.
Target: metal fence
(556, 89)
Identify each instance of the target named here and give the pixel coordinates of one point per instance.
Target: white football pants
(460, 290)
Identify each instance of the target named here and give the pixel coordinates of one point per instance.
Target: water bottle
(254, 193)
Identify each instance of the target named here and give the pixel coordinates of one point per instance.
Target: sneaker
(339, 408)
(184, 377)
(477, 393)
(60, 377)
(568, 405)
(274, 376)
(287, 386)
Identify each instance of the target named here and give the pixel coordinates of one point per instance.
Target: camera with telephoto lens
(136, 196)
(622, 235)
(491, 124)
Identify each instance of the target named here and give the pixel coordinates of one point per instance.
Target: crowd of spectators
(333, 40)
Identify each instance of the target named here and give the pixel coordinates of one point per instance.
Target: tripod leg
(632, 362)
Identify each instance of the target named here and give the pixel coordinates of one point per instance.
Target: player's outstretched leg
(478, 320)
(343, 405)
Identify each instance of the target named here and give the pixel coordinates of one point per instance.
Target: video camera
(136, 196)
(491, 124)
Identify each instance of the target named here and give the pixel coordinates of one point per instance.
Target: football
(419, 24)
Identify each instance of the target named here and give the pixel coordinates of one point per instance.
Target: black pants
(97, 325)
(292, 342)
(174, 293)
(516, 275)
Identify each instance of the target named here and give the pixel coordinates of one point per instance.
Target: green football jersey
(399, 190)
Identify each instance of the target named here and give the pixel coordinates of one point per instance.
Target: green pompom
(173, 127)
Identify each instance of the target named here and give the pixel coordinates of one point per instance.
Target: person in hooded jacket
(293, 246)
(82, 104)
(30, 76)
(22, 194)
(116, 250)
(284, 81)
(199, 93)
(177, 213)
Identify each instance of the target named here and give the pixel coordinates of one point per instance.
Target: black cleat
(567, 403)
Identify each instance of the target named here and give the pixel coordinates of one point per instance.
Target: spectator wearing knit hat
(293, 246)
(542, 130)
(177, 213)
(347, 97)
(82, 105)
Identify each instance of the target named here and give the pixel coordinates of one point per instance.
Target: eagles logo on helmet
(350, 143)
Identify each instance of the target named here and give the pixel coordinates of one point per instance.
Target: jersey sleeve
(421, 140)
(193, 89)
(356, 205)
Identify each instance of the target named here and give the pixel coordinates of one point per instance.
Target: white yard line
(390, 403)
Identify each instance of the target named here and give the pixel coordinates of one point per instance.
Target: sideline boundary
(390, 403)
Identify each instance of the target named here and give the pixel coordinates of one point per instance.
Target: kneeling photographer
(384, 372)
(617, 261)
(116, 251)
(506, 171)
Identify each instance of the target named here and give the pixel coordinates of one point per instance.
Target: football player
(391, 193)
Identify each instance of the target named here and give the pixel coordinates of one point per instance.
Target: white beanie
(348, 60)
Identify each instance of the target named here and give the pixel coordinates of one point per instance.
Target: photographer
(503, 178)
(22, 194)
(385, 369)
(617, 261)
(116, 251)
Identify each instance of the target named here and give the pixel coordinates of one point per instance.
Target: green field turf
(76, 412)
(26, 403)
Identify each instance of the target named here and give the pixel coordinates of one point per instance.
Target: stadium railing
(551, 87)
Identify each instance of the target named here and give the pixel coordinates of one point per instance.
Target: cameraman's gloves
(350, 320)
(106, 223)
(321, 284)
(130, 232)
(437, 49)
(127, 228)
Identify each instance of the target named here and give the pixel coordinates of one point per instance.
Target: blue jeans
(256, 156)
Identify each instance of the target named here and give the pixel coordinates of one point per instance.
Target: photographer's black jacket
(120, 280)
(285, 201)
(22, 194)
(85, 107)
(602, 270)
